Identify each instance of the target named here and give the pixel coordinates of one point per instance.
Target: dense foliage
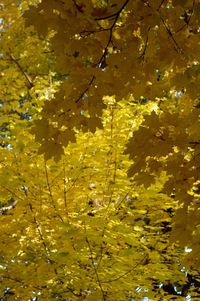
(100, 150)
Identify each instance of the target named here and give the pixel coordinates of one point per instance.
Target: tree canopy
(100, 150)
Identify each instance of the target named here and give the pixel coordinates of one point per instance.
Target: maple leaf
(99, 162)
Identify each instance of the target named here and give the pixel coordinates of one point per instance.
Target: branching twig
(116, 16)
(101, 61)
(187, 18)
(73, 292)
(78, 7)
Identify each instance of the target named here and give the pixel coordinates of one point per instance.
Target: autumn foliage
(100, 150)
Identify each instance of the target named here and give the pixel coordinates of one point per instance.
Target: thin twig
(87, 33)
(78, 7)
(116, 14)
(95, 270)
(159, 7)
(38, 227)
(187, 21)
(64, 184)
(85, 91)
(13, 59)
(50, 192)
(145, 45)
(142, 261)
(12, 192)
(168, 30)
(22, 283)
